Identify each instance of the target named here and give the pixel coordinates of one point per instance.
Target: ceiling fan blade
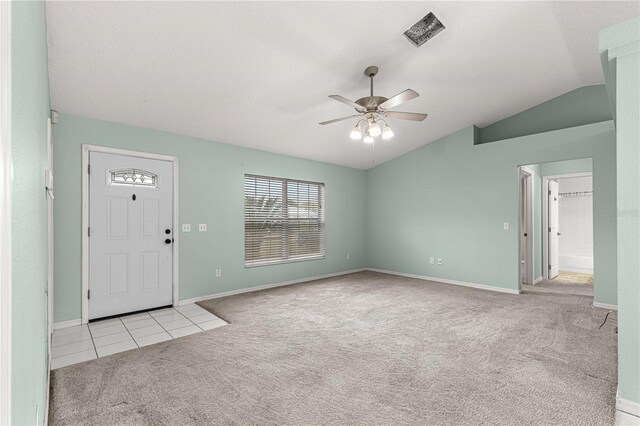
(398, 99)
(348, 102)
(414, 116)
(339, 119)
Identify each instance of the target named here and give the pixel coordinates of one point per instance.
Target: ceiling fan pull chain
(372, 158)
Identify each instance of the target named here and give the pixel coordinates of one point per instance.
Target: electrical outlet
(348, 256)
(218, 273)
(432, 260)
(186, 227)
(202, 227)
(440, 262)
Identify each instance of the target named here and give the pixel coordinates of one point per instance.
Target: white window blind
(283, 220)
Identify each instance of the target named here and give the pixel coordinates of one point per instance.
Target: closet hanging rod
(575, 194)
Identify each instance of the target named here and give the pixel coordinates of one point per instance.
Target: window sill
(282, 261)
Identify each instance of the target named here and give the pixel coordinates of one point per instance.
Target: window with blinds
(283, 220)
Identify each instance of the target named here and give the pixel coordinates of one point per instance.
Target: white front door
(553, 229)
(130, 234)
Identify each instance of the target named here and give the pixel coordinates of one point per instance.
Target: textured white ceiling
(257, 74)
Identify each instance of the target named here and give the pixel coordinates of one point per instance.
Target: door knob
(167, 231)
(168, 241)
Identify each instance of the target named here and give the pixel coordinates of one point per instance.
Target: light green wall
(620, 50)
(210, 191)
(30, 109)
(578, 107)
(582, 165)
(450, 198)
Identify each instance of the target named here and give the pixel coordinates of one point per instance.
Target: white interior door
(130, 234)
(553, 229)
(523, 227)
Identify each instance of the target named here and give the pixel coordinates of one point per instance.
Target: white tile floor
(101, 338)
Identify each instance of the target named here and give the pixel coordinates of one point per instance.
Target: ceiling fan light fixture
(387, 133)
(374, 128)
(367, 138)
(356, 133)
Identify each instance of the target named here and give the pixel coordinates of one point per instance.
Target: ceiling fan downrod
(370, 72)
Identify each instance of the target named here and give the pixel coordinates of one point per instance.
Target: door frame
(529, 211)
(86, 149)
(50, 242)
(6, 161)
(545, 216)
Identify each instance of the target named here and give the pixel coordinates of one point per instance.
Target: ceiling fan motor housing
(371, 103)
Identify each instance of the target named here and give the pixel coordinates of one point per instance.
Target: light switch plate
(186, 227)
(506, 226)
(440, 261)
(202, 227)
(432, 260)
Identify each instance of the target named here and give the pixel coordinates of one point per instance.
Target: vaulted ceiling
(257, 74)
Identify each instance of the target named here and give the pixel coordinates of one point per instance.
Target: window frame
(286, 258)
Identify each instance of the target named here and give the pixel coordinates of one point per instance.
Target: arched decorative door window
(132, 177)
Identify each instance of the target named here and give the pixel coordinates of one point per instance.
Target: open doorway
(570, 228)
(558, 202)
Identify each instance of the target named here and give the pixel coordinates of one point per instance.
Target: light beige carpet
(361, 349)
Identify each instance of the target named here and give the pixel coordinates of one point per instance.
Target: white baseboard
(625, 419)
(537, 280)
(66, 324)
(562, 268)
(571, 263)
(447, 281)
(630, 408)
(605, 306)
(263, 287)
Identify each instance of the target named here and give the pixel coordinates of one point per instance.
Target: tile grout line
(72, 343)
(92, 341)
(187, 318)
(162, 327)
(198, 325)
(110, 334)
(95, 351)
(129, 332)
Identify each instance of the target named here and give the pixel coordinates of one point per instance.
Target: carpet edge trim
(448, 281)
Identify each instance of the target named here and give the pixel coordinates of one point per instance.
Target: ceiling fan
(373, 111)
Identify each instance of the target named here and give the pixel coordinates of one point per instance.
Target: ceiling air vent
(424, 30)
